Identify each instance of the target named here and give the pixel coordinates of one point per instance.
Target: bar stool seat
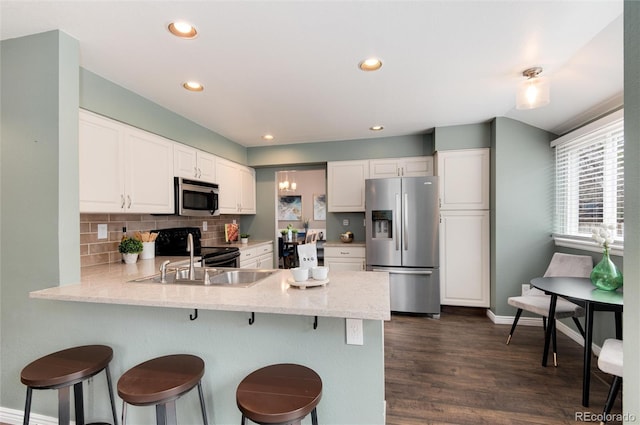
(160, 382)
(61, 370)
(279, 394)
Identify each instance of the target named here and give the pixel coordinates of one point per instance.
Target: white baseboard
(14, 417)
(537, 321)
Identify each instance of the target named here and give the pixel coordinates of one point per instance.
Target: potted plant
(130, 248)
(244, 237)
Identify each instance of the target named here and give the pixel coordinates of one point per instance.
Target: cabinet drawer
(263, 249)
(247, 253)
(344, 251)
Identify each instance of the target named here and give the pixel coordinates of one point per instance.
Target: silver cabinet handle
(199, 173)
(129, 199)
(195, 171)
(122, 201)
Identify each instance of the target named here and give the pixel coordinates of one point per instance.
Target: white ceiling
(290, 67)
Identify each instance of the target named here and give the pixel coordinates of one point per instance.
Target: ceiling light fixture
(284, 185)
(268, 137)
(193, 86)
(376, 128)
(183, 30)
(534, 91)
(370, 64)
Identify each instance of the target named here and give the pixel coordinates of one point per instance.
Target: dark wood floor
(458, 370)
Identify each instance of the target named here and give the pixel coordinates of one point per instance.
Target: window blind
(590, 181)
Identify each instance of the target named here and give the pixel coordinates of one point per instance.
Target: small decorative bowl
(346, 237)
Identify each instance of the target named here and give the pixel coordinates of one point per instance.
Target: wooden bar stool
(279, 394)
(160, 382)
(63, 369)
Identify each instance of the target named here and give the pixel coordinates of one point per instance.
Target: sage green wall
(106, 98)
(521, 208)
(39, 103)
(631, 317)
(469, 136)
(309, 153)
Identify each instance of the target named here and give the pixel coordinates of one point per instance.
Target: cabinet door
(383, 168)
(148, 173)
(206, 166)
(464, 179)
(464, 258)
(248, 190)
(101, 164)
(345, 181)
(228, 177)
(185, 161)
(421, 166)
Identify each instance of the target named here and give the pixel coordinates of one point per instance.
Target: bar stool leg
(79, 403)
(314, 417)
(124, 413)
(64, 416)
(166, 413)
(242, 421)
(202, 407)
(27, 407)
(111, 397)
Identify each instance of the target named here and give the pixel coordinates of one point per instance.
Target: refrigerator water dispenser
(382, 224)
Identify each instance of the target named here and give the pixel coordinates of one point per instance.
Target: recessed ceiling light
(376, 128)
(193, 86)
(370, 64)
(182, 29)
(268, 137)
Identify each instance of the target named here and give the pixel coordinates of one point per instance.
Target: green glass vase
(605, 275)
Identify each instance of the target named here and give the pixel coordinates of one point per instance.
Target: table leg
(550, 325)
(588, 338)
(618, 324)
(64, 408)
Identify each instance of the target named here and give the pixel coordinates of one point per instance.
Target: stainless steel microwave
(196, 198)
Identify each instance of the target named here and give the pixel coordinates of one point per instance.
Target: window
(590, 179)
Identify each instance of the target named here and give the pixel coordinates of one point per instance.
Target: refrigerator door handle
(405, 224)
(397, 232)
(417, 272)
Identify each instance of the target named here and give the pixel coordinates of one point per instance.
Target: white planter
(130, 258)
(244, 240)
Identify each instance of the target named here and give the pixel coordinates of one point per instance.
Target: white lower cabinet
(257, 257)
(464, 258)
(340, 258)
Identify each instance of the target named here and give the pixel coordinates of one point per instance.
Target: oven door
(196, 198)
(231, 259)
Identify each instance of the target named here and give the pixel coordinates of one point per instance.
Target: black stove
(173, 242)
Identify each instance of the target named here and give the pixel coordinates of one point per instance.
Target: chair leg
(611, 398)
(555, 345)
(513, 327)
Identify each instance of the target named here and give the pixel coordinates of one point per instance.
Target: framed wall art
(290, 208)
(320, 207)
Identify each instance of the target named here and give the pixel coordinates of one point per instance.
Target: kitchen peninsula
(283, 331)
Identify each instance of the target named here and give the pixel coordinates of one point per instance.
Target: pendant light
(534, 91)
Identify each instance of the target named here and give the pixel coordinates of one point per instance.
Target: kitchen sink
(242, 278)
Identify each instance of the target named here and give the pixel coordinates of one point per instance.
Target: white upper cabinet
(418, 166)
(464, 179)
(193, 164)
(237, 187)
(123, 169)
(345, 185)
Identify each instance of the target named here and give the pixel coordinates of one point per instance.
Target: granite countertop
(349, 294)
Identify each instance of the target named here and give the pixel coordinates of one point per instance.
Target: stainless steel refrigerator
(402, 221)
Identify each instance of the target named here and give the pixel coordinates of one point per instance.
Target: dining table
(581, 291)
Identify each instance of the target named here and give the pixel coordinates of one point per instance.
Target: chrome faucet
(163, 271)
(191, 249)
